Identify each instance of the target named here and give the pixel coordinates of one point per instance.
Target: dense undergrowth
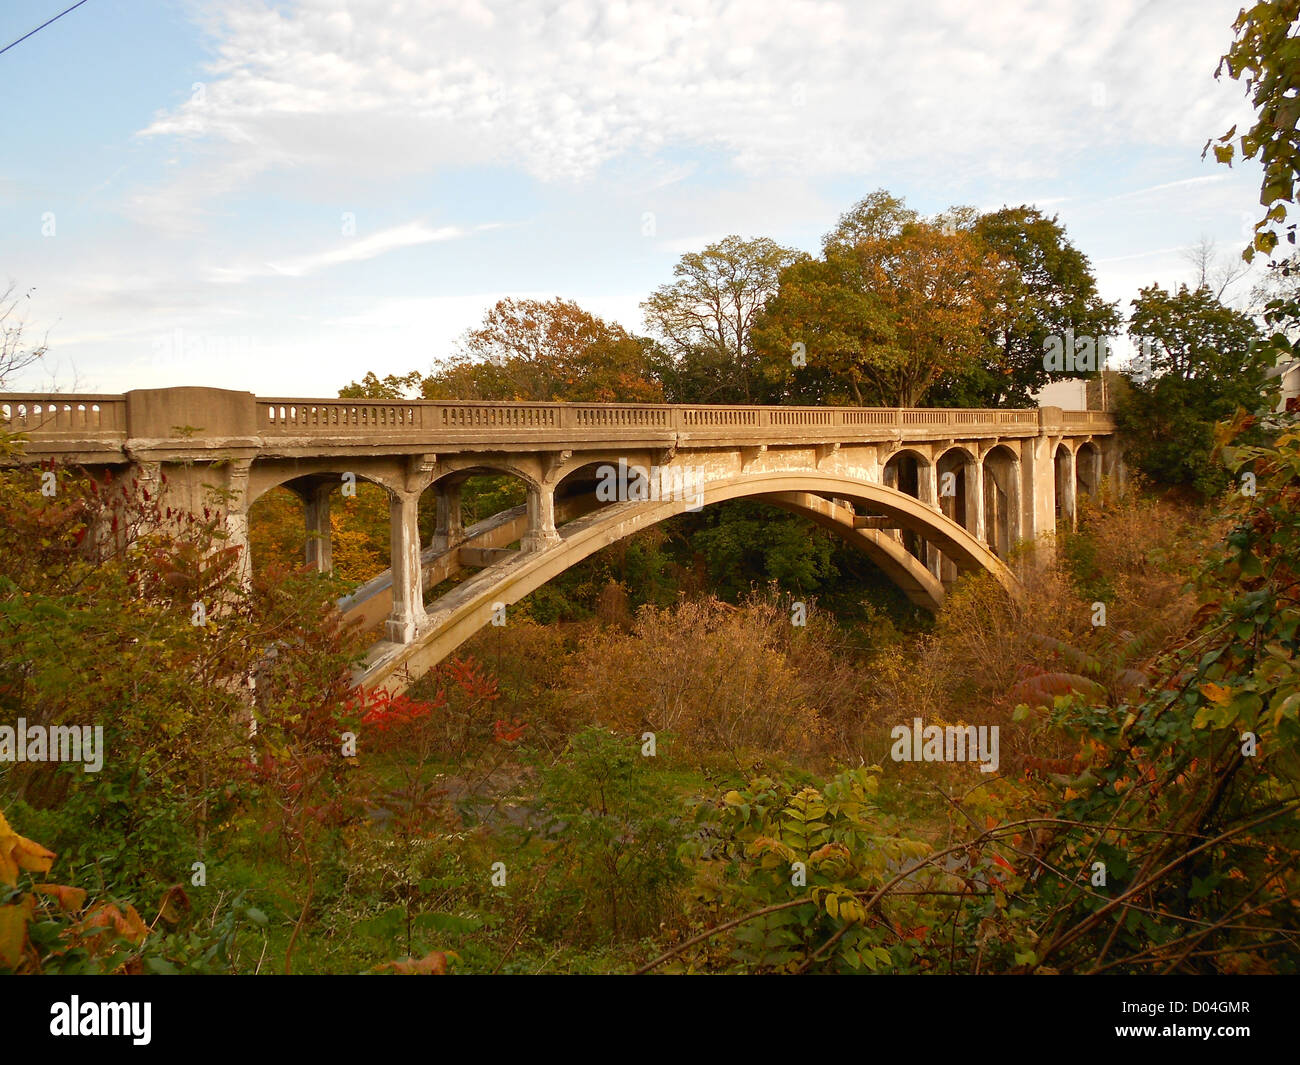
(666, 780)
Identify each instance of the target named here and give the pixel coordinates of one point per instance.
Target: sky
(279, 197)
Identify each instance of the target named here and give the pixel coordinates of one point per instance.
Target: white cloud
(803, 87)
(351, 250)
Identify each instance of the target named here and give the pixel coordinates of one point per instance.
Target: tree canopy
(893, 306)
(1203, 365)
(704, 320)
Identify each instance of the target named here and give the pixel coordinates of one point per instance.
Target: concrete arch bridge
(926, 493)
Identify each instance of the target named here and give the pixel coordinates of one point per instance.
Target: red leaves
(470, 678)
(382, 711)
(508, 731)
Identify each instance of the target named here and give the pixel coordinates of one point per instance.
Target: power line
(42, 26)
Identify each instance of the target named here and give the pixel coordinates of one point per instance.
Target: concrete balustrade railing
(51, 414)
(288, 417)
(108, 421)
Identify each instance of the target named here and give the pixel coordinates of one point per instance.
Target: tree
(554, 350)
(1265, 53)
(894, 306)
(1208, 271)
(876, 217)
(16, 355)
(704, 319)
(391, 387)
(1046, 288)
(1203, 365)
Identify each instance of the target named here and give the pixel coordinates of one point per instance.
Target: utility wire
(42, 26)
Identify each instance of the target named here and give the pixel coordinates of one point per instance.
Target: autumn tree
(705, 317)
(1046, 288)
(894, 305)
(540, 351)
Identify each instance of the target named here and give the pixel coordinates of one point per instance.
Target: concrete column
(975, 519)
(449, 529)
(404, 549)
(1069, 489)
(541, 518)
(1015, 510)
(316, 511)
(1038, 480)
(236, 508)
(927, 491)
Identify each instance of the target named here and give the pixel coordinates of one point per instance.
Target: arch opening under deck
(454, 618)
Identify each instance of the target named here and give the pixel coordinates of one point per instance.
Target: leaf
(108, 917)
(13, 931)
(1043, 689)
(18, 852)
(175, 904)
(70, 899)
(1216, 693)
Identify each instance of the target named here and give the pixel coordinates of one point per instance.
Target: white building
(1070, 394)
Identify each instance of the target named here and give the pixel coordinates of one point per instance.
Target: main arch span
(456, 616)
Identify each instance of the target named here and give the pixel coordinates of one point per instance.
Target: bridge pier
(316, 514)
(541, 518)
(927, 491)
(975, 516)
(449, 529)
(404, 551)
(1038, 491)
(1065, 478)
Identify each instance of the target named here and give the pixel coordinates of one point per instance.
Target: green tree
(894, 306)
(704, 319)
(878, 216)
(391, 387)
(1203, 365)
(1047, 289)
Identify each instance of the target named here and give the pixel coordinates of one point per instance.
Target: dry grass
(719, 677)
